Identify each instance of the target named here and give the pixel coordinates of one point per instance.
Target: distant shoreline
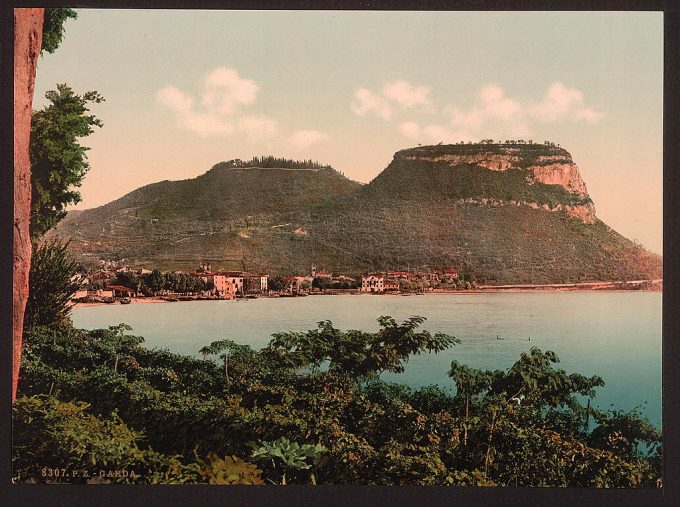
(488, 289)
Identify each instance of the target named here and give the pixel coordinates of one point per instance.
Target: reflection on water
(616, 335)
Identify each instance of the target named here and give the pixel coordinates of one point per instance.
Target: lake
(616, 335)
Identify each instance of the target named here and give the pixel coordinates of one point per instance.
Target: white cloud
(303, 139)
(406, 95)
(394, 96)
(496, 105)
(221, 111)
(562, 103)
(366, 101)
(224, 89)
(493, 114)
(175, 99)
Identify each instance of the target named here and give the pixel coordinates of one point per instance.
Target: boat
(125, 301)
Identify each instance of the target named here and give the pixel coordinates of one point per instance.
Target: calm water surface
(614, 335)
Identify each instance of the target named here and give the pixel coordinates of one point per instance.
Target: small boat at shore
(125, 301)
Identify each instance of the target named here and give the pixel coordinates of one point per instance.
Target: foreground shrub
(301, 423)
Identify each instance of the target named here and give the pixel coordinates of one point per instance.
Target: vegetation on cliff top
(528, 153)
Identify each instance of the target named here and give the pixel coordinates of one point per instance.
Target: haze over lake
(616, 335)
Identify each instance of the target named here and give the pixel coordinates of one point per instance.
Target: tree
(154, 281)
(58, 161)
(29, 27)
(277, 283)
(469, 382)
(53, 27)
(358, 353)
(28, 24)
(242, 353)
(128, 279)
(54, 279)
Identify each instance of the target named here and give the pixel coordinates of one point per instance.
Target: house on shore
(390, 286)
(447, 274)
(232, 283)
(373, 282)
(222, 287)
(294, 283)
(122, 292)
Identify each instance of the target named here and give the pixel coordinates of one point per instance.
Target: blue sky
(186, 89)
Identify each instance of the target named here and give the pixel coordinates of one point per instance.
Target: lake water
(616, 335)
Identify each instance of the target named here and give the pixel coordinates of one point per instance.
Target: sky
(187, 89)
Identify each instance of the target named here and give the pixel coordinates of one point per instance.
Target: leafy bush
(58, 441)
(53, 280)
(524, 426)
(230, 470)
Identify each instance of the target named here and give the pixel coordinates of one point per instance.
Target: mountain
(507, 212)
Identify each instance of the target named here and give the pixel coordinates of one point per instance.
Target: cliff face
(542, 164)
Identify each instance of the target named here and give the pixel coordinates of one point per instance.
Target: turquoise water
(616, 335)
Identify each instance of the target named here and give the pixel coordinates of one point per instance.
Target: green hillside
(435, 206)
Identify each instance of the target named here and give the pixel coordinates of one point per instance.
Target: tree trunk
(28, 25)
(467, 412)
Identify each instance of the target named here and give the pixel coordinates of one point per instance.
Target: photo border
(12, 494)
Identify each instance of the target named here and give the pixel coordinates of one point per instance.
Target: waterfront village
(112, 282)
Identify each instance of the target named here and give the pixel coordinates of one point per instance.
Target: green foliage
(58, 161)
(53, 279)
(269, 162)
(277, 283)
(53, 27)
(127, 279)
(288, 457)
(230, 470)
(322, 283)
(56, 441)
(358, 353)
(311, 426)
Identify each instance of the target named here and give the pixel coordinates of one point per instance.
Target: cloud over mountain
(491, 112)
(220, 109)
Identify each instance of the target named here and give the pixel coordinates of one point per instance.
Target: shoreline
(595, 287)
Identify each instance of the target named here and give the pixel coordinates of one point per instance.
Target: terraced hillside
(218, 215)
(509, 213)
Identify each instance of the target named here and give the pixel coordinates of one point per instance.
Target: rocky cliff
(538, 164)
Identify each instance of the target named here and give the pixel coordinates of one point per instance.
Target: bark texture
(28, 25)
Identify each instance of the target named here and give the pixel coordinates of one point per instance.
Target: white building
(374, 282)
